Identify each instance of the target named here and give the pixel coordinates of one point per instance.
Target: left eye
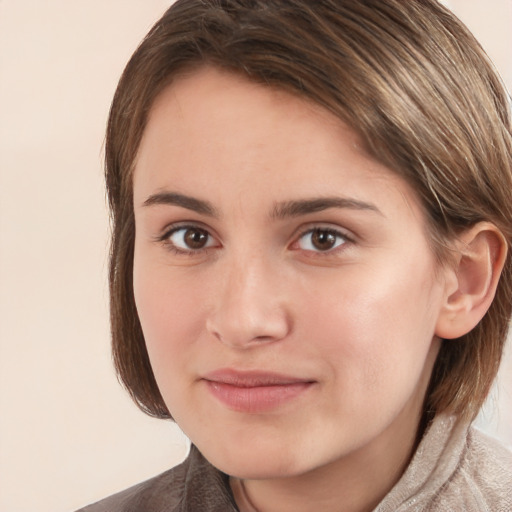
(190, 238)
(321, 240)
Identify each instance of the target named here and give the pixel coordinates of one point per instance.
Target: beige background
(68, 433)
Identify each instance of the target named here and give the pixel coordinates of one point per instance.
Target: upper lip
(252, 378)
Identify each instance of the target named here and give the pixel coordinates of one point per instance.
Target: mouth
(255, 391)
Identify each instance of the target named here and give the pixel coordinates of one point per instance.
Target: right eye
(186, 239)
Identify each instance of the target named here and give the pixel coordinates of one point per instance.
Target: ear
(470, 283)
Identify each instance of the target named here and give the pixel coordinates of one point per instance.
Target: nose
(250, 308)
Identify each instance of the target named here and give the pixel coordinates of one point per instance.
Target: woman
(311, 269)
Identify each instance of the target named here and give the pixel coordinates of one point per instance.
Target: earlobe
(471, 282)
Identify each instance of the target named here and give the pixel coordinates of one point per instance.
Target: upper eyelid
(344, 232)
(176, 226)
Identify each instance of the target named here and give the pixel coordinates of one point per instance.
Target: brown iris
(323, 239)
(196, 238)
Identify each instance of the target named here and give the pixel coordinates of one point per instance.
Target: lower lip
(256, 399)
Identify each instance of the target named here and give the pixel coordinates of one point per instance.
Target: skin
(358, 321)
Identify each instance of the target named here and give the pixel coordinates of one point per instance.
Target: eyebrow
(306, 206)
(188, 202)
(282, 210)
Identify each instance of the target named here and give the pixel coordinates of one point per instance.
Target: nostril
(262, 338)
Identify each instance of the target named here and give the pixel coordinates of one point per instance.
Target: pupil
(195, 238)
(323, 240)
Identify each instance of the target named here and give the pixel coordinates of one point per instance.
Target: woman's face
(283, 280)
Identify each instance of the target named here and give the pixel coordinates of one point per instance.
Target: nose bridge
(243, 276)
(248, 308)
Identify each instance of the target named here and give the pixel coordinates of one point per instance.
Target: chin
(255, 461)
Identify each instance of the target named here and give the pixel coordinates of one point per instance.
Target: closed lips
(254, 392)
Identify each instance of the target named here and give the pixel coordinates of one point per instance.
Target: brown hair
(406, 75)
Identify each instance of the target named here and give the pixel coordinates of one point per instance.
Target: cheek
(374, 327)
(168, 311)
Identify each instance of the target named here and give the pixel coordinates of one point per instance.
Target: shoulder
(193, 485)
(455, 468)
(150, 495)
(483, 478)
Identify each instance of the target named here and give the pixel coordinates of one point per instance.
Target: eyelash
(165, 239)
(338, 233)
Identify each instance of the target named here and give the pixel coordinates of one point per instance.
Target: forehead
(212, 127)
(222, 109)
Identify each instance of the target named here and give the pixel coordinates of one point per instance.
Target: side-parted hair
(406, 75)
